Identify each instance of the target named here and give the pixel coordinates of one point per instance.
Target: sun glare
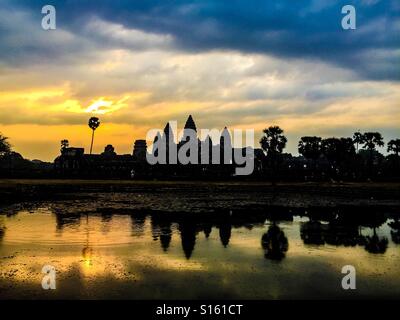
(102, 106)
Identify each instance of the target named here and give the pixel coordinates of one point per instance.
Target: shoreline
(193, 196)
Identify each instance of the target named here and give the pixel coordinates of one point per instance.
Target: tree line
(344, 158)
(335, 158)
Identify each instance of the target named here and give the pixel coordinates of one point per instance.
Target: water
(276, 254)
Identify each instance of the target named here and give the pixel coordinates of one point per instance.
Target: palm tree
(372, 140)
(358, 138)
(94, 123)
(394, 146)
(273, 142)
(5, 146)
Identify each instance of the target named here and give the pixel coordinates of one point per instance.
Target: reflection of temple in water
(161, 228)
(225, 233)
(63, 220)
(207, 228)
(138, 222)
(325, 227)
(188, 237)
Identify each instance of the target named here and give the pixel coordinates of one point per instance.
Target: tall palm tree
(94, 123)
(394, 146)
(273, 142)
(358, 138)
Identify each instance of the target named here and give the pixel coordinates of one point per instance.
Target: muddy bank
(196, 197)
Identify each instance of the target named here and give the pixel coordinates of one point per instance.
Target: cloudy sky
(243, 64)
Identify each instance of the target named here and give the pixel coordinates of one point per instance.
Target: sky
(240, 64)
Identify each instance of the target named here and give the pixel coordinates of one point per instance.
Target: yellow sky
(135, 91)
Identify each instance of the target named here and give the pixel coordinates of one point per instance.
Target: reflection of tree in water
(313, 232)
(138, 221)
(335, 233)
(274, 243)
(395, 225)
(376, 244)
(344, 228)
(188, 237)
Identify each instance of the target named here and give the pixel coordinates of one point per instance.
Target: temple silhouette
(74, 162)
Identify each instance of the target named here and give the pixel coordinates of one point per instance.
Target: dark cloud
(292, 29)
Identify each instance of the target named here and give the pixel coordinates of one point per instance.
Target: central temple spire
(190, 123)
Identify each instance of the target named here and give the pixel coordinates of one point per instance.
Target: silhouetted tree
(330, 147)
(394, 146)
(372, 140)
(358, 138)
(93, 123)
(273, 142)
(64, 144)
(337, 151)
(311, 148)
(5, 146)
(346, 150)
